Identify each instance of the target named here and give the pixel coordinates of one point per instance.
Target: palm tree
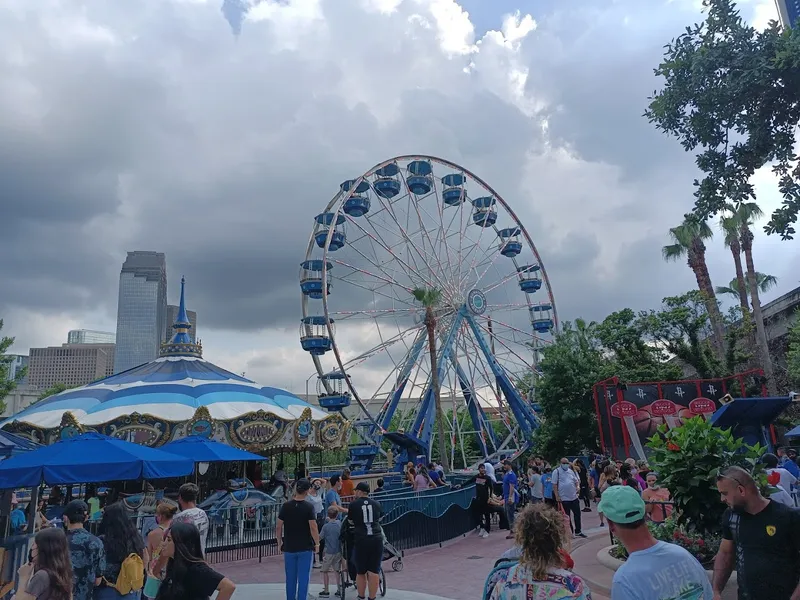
(430, 299)
(689, 240)
(745, 214)
(730, 227)
(764, 282)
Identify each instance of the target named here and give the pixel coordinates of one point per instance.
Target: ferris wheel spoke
(502, 281)
(500, 340)
(374, 291)
(374, 314)
(390, 212)
(407, 269)
(375, 350)
(416, 203)
(385, 277)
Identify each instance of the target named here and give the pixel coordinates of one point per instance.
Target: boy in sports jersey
(365, 515)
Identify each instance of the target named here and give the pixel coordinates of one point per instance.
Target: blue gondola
(386, 187)
(314, 337)
(529, 281)
(311, 278)
(356, 206)
(419, 179)
(484, 214)
(453, 193)
(328, 220)
(542, 318)
(333, 397)
(510, 245)
(361, 189)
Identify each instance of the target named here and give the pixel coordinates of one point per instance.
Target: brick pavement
(456, 570)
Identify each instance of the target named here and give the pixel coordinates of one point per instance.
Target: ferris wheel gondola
(412, 223)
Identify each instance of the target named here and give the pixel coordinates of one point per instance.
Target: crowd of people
(760, 535)
(70, 563)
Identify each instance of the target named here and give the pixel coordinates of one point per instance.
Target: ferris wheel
(416, 224)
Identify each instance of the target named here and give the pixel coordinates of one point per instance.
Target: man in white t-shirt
(187, 501)
(566, 485)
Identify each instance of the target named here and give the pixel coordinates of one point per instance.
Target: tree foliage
(793, 353)
(7, 385)
(633, 346)
(732, 94)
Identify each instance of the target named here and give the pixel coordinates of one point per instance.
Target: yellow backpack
(131, 575)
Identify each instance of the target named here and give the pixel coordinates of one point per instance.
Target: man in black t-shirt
(365, 515)
(761, 536)
(298, 539)
(483, 488)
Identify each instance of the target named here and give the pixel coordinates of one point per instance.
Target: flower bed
(703, 548)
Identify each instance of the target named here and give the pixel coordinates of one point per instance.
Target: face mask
(565, 467)
(634, 472)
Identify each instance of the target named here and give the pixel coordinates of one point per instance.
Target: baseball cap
(363, 487)
(76, 511)
(621, 504)
(302, 486)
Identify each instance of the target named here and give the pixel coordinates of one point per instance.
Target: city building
(18, 362)
(89, 336)
(141, 309)
(172, 317)
(70, 364)
(20, 398)
(789, 12)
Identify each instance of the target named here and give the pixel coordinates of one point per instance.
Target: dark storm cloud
(163, 132)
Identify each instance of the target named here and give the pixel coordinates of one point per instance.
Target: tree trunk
(744, 304)
(697, 262)
(758, 317)
(741, 282)
(430, 324)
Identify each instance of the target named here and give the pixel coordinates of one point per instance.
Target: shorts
(332, 562)
(368, 555)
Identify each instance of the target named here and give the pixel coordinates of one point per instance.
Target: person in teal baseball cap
(654, 570)
(622, 505)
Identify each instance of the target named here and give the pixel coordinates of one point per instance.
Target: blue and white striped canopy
(171, 388)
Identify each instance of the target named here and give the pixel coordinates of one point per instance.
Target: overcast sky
(151, 125)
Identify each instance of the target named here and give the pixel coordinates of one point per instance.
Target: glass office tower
(141, 309)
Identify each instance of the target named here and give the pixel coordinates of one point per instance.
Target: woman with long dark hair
(188, 576)
(48, 576)
(120, 539)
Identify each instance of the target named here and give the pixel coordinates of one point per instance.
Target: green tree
(764, 282)
(636, 358)
(430, 298)
(7, 385)
(732, 95)
(793, 353)
(688, 240)
(571, 365)
(53, 390)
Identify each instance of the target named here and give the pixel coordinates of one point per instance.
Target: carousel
(178, 395)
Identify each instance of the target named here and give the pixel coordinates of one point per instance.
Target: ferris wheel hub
(476, 302)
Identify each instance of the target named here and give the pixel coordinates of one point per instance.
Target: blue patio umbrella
(12, 444)
(90, 458)
(793, 433)
(200, 449)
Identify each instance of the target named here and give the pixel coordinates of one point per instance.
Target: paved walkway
(457, 570)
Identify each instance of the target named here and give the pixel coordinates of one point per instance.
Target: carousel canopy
(181, 394)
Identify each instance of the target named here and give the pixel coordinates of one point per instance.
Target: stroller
(347, 576)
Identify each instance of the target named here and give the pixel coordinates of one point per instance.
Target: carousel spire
(181, 343)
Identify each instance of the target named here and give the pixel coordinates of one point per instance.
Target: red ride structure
(628, 414)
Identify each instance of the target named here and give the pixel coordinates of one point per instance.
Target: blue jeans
(511, 511)
(108, 593)
(298, 573)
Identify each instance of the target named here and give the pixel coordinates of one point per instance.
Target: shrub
(688, 459)
(702, 547)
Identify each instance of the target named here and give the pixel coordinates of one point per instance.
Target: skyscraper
(789, 12)
(172, 317)
(141, 309)
(90, 336)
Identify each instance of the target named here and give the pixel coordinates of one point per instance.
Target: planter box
(604, 558)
